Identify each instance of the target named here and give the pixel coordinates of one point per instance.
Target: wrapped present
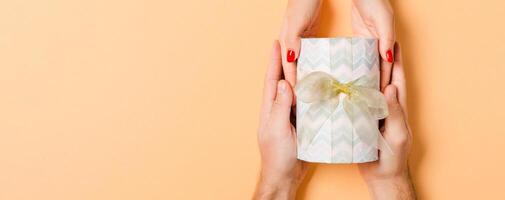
(338, 100)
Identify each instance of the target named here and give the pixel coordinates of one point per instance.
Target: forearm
(399, 188)
(275, 190)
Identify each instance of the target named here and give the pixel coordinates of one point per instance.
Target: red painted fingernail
(291, 55)
(389, 56)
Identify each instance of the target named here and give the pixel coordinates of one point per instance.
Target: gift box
(338, 100)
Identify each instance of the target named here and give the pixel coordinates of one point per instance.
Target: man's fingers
(274, 71)
(395, 122)
(273, 75)
(281, 109)
(398, 78)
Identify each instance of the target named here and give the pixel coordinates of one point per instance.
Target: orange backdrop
(159, 99)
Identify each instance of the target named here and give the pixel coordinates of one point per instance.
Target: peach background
(159, 99)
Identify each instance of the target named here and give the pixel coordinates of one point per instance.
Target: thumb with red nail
(374, 18)
(299, 21)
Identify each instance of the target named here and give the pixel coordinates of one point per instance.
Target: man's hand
(374, 18)
(388, 178)
(281, 171)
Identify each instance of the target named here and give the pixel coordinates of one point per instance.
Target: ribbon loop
(317, 86)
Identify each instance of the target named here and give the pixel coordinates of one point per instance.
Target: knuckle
(400, 140)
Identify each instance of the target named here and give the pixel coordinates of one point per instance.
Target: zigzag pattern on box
(346, 59)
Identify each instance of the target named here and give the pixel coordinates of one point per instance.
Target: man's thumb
(283, 101)
(396, 117)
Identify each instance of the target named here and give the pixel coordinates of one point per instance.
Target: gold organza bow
(362, 104)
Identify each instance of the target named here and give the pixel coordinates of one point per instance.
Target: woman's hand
(299, 21)
(370, 18)
(281, 171)
(374, 18)
(388, 178)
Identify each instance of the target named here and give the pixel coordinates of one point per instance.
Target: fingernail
(389, 56)
(281, 87)
(291, 55)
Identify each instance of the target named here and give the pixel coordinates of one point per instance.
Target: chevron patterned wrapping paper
(345, 58)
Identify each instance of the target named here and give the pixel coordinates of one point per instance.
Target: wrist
(398, 187)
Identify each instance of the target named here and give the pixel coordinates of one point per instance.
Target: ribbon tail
(313, 119)
(365, 125)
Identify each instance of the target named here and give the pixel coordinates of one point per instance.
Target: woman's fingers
(386, 33)
(300, 20)
(375, 19)
(384, 24)
(293, 27)
(290, 50)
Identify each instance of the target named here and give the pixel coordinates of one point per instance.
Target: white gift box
(346, 59)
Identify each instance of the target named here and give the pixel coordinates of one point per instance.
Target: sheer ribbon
(362, 104)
